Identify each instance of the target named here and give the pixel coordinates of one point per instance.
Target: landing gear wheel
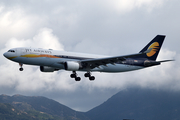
(73, 75)
(77, 78)
(87, 75)
(91, 78)
(20, 69)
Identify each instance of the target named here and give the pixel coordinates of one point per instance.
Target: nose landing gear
(21, 68)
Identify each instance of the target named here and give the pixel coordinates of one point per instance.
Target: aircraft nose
(5, 54)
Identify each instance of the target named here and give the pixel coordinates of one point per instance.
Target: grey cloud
(109, 28)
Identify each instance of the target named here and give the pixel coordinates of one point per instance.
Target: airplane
(51, 60)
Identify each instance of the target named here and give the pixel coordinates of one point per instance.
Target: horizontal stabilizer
(165, 61)
(152, 63)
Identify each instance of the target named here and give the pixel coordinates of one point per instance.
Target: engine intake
(71, 66)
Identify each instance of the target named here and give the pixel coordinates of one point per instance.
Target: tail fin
(155, 44)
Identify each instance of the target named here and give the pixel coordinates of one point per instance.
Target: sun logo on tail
(155, 48)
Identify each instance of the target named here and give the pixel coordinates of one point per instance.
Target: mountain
(134, 103)
(139, 104)
(9, 112)
(44, 105)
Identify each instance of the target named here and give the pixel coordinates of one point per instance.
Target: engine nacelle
(71, 66)
(47, 69)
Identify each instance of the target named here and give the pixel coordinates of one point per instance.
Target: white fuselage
(55, 59)
(52, 60)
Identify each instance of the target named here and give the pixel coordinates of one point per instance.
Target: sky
(105, 27)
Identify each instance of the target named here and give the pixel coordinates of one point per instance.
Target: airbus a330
(53, 60)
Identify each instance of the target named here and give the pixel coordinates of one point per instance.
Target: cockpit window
(11, 50)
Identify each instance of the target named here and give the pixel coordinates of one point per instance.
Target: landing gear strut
(21, 68)
(88, 74)
(74, 75)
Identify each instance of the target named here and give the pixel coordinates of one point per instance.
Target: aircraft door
(17, 51)
(22, 51)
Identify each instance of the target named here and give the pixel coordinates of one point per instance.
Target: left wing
(92, 63)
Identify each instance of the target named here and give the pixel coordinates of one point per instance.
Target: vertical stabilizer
(155, 44)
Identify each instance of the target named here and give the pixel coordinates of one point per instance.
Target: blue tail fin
(155, 44)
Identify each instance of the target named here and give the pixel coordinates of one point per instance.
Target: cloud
(15, 22)
(124, 6)
(165, 76)
(111, 28)
(31, 79)
(44, 39)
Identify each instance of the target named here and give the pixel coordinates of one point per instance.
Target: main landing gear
(21, 68)
(74, 75)
(88, 74)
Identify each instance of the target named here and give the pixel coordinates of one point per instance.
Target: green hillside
(134, 103)
(38, 108)
(9, 112)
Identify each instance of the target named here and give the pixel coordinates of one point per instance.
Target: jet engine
(47, 69)
(71, 66)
